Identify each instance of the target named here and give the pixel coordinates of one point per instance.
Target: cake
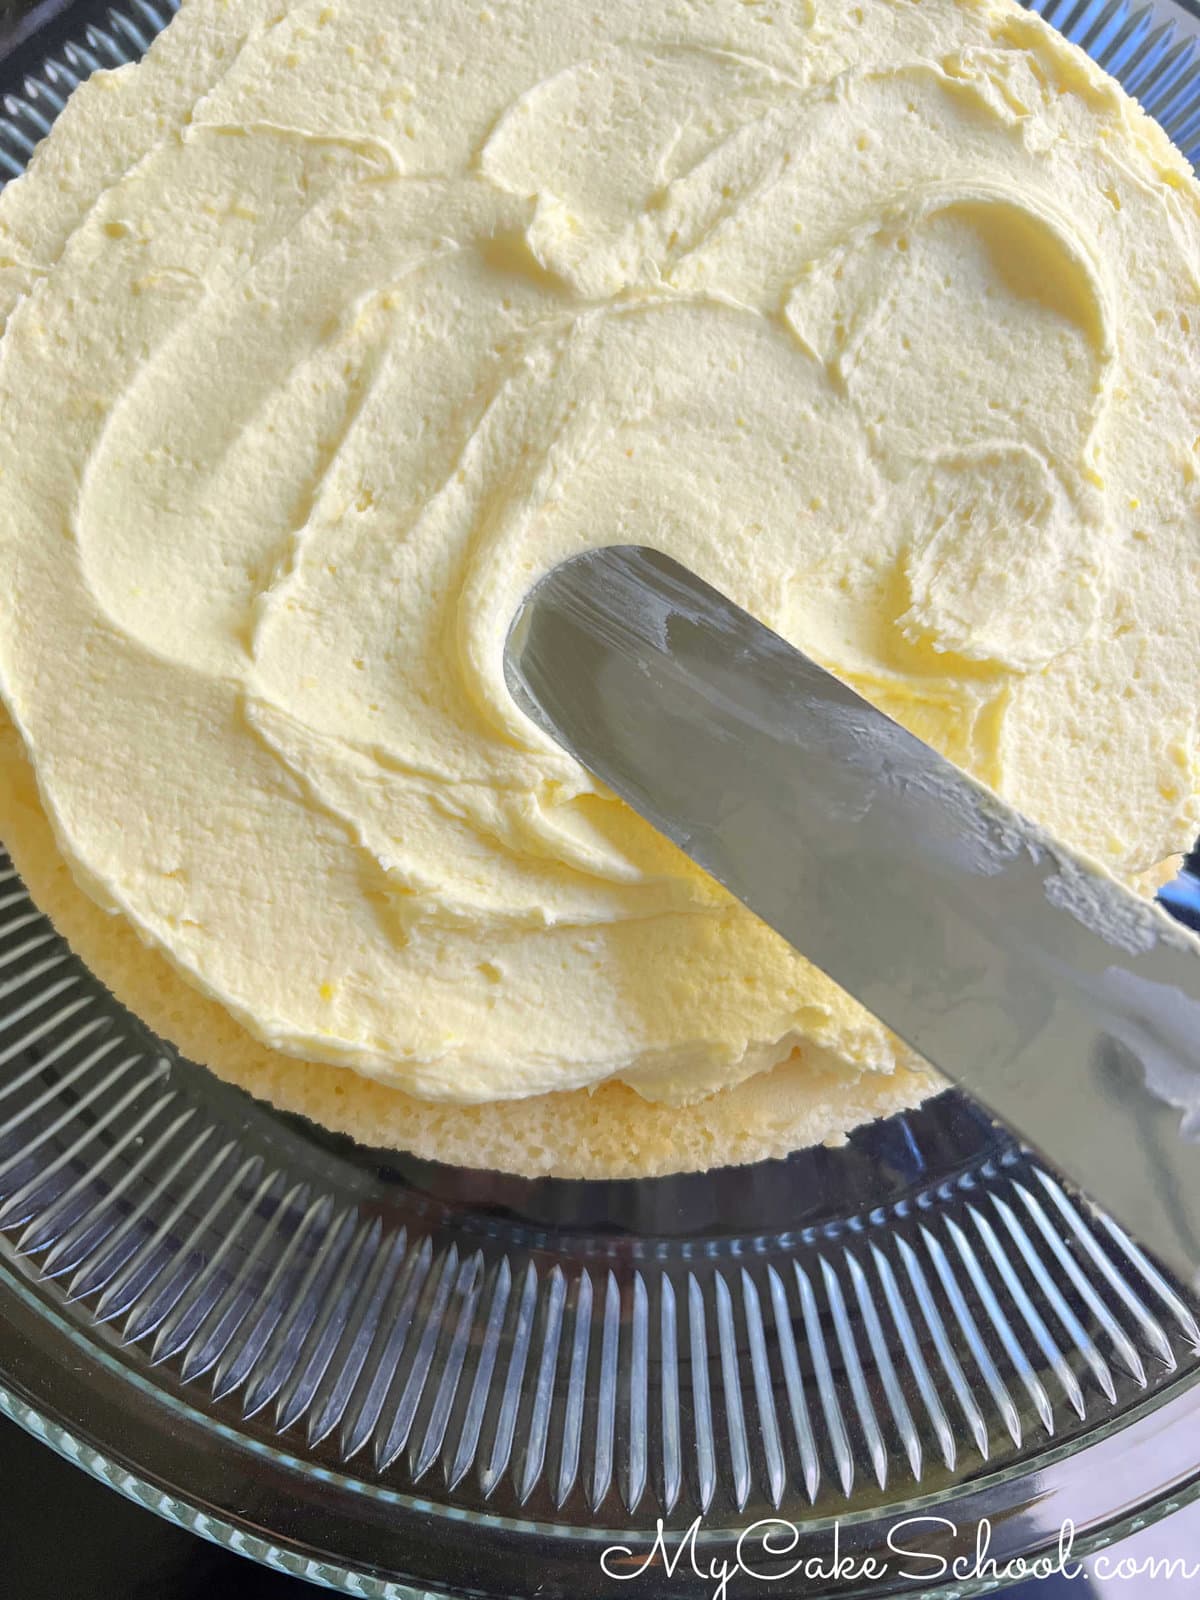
(329, 327)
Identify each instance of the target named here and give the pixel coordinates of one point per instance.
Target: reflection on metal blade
(1066, 1004)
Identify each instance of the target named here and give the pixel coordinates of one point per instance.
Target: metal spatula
(1066, 1004)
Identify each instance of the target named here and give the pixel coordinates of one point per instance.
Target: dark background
(63, 1536)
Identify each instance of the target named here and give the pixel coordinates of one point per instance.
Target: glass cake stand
(396, 1378)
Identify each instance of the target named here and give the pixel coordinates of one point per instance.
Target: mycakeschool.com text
(917, 1549)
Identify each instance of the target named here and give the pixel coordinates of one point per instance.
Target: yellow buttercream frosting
(331, 326)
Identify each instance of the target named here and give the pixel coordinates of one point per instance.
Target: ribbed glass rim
(1185, 1389)
(1166, 1421)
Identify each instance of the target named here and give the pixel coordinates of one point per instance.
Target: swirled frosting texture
(332, 326)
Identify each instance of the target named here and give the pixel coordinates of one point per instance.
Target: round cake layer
(330, 327)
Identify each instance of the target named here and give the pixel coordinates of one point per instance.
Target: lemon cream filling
(331, 326)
